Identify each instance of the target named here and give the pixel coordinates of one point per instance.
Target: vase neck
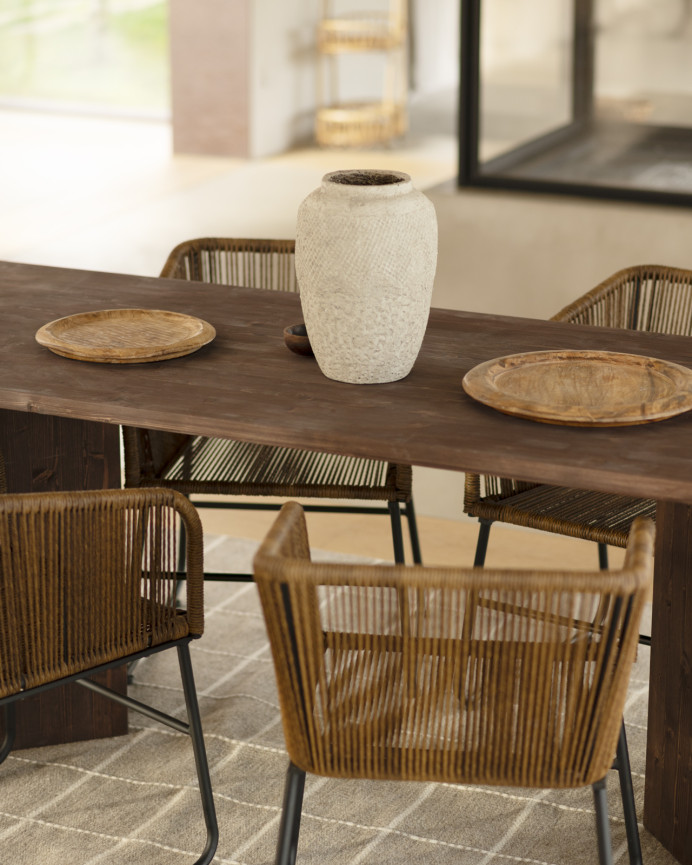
(367, 183)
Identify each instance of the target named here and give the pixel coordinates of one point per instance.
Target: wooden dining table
(59, 425)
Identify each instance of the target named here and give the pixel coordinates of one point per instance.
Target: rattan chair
(211, 466)
(647, 298)
(88, 582)
(448, 674)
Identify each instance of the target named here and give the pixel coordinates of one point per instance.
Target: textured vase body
(366, 253)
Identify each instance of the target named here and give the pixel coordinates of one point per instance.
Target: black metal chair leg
(603, 556)
(482, 542)
(200, 753)
(622, 764)
(131, 667)
(397, 535)
(10, 731)
(605, 849)
(289, 827)
(413, 533)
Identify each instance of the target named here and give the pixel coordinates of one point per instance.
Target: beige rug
(132, 799)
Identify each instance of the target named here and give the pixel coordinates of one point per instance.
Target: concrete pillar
(210, 62)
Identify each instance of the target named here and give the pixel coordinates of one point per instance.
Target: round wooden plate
(125, 335)
(582, 388)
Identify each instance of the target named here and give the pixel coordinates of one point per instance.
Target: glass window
(586, 96)
(106, 55)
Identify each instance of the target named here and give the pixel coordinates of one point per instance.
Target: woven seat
(454, 675)
(602, 517)
(88, 582)
(267, 470)
(647, 298)
(197, 465)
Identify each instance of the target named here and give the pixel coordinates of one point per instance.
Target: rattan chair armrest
(472, 489)
(194, 547)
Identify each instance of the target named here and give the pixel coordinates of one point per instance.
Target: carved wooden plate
(582, 388)
(125, 335)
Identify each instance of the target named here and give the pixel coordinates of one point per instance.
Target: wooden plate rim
(479, 383)
(49, 336)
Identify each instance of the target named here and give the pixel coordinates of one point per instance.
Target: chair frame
(193, 726)
(324, 675)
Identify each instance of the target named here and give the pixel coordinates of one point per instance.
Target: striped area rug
(132, 799)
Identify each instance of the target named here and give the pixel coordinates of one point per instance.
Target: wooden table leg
(668, 789)
(44, 453)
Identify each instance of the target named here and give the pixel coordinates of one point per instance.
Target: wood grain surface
(247, 385)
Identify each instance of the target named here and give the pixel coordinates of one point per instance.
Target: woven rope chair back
(88, 578)
(449, 674)
(647, 297)
(250, 262)
(253, 263)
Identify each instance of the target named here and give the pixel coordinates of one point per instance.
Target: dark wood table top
(247, 385)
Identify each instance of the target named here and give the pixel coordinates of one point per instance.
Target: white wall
(282, 74)
(435, 59)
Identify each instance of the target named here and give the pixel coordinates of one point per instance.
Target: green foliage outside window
(101, 54)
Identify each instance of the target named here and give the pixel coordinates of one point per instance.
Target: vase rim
(364, 178)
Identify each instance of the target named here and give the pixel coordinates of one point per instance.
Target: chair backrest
(90, 577)
(450, 674)
(647, 297)
(248, 262)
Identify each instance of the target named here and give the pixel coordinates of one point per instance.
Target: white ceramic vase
(366, 253)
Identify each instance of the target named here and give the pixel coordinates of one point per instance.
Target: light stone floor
(110, 195)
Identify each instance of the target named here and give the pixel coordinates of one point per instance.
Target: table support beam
(668, 790)
(44, 454)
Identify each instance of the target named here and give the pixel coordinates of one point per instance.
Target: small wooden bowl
(296, 338)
